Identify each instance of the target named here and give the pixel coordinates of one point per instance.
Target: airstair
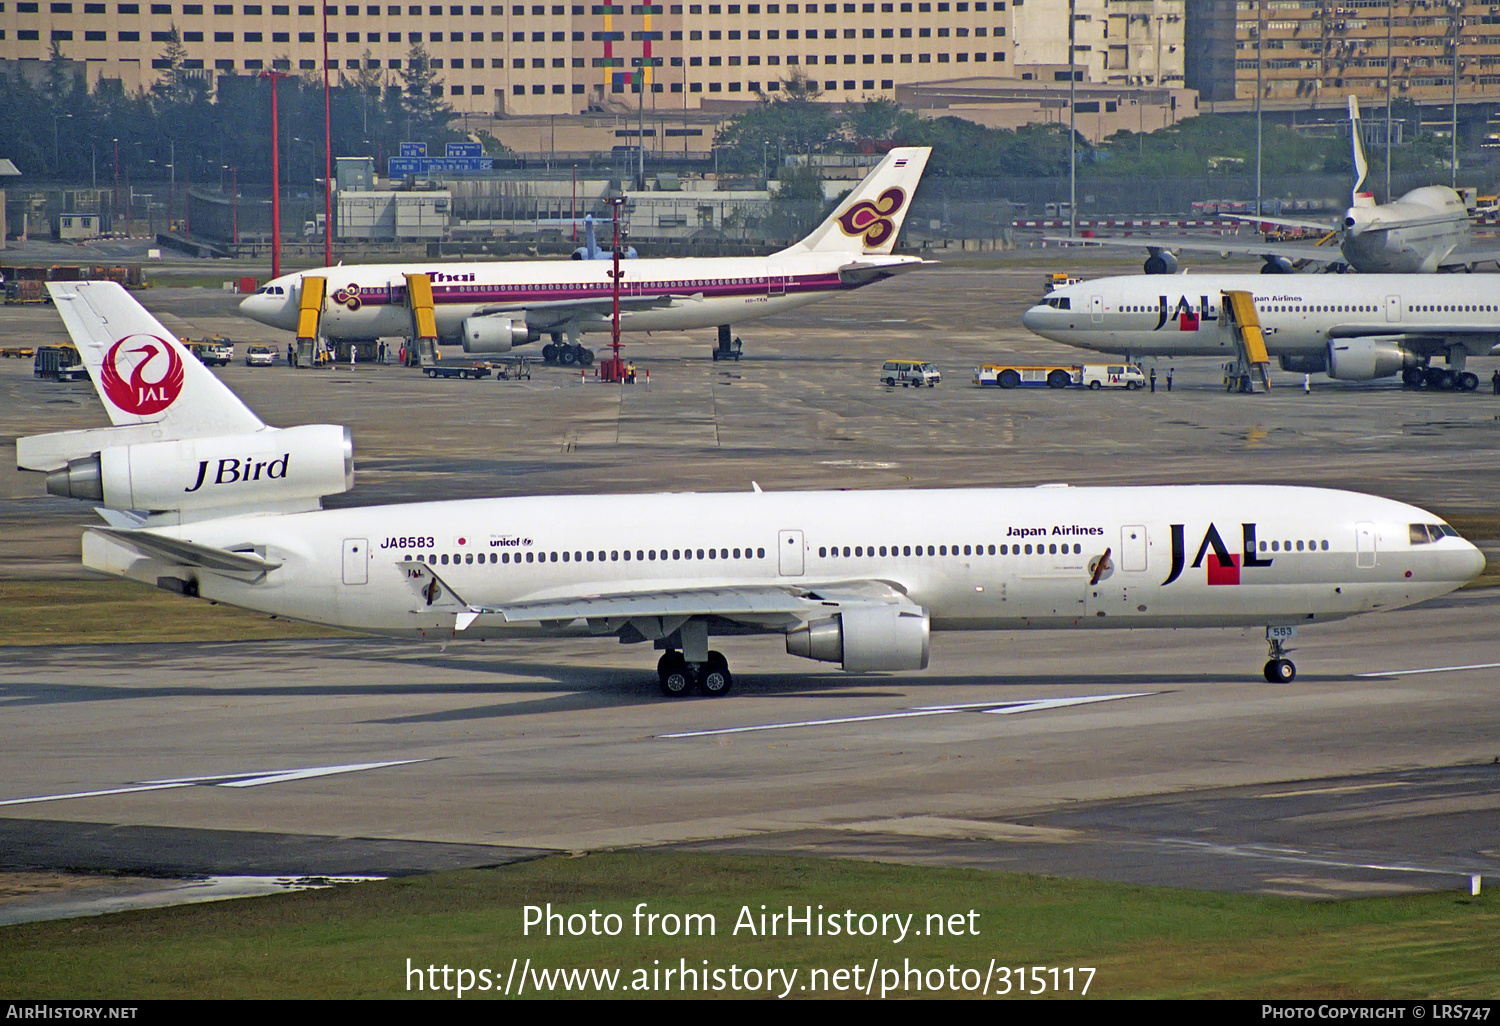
(1253, 363)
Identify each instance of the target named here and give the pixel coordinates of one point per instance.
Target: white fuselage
(975, 559)
(1179, 315)
(368, 300)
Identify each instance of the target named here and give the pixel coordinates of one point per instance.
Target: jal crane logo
(152, 384)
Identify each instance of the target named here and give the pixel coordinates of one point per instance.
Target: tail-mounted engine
(271, 466)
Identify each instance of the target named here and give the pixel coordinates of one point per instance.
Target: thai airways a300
(492, 306)
(204, 499)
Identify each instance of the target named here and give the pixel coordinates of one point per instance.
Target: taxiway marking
(1430, 669)
(254, 779)
(991, 708)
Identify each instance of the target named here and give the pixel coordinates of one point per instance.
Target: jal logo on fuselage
(1224, 567)
(1187, 316)
(233, 471)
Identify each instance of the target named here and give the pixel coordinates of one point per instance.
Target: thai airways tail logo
(153, 384)
(873, 219)
(1223, 566)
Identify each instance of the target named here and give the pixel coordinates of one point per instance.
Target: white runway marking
(217, 780)
(992, 708)
(1430, 669)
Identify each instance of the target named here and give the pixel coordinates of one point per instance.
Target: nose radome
(1474, 562)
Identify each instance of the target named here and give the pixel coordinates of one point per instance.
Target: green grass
(355, 941)
(106, 611)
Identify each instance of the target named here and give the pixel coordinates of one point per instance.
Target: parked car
(260, 356)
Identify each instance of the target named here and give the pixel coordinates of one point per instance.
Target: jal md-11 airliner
(1351, 327)
(492, 306)
(203, 499)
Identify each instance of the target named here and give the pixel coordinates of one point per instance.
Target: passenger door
(789, 553)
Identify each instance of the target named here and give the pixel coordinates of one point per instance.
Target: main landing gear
(1279, 669)
(678, 676)
(568, 354)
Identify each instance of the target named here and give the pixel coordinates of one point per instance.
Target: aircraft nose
(1032, 318)
(1472, 562)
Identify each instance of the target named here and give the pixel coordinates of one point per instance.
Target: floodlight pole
(275, 175)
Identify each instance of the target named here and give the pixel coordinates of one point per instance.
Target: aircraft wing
(1467, 256)
(1285, 222)
(646, 615)
(1228, 246)
(568, 309)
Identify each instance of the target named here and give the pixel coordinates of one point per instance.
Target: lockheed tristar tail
(859, 579)
(490, 307)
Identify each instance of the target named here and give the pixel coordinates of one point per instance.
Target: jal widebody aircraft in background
(491, 306)
(1354, 327)
(203, 499)
(1425, 230)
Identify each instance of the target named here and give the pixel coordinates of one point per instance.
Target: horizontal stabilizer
(185, 553)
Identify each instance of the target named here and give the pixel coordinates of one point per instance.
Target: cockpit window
(1421, 534)
(1058, 302)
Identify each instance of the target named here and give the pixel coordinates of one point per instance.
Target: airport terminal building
(568, 58)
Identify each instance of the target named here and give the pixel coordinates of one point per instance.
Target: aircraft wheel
(714, 678)
(549, 352)
(675, 676)
(585, 357)
(1281, 671)
(1439, 379)
(1412, 377)
(567, 356)
(1468, 381)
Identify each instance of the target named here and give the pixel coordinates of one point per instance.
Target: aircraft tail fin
(142, 373)
(870, 218)
(1361, 166)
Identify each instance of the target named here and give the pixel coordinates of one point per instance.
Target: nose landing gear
(1280, 669)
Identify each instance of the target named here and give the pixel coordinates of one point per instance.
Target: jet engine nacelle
(1304, 363)
(873, 638)
(1161, 261)
(494, 334)
(1364, 359)
(273, 465)
(1277, 265)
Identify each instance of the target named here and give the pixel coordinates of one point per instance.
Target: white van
(1112, 375)
(913, 373)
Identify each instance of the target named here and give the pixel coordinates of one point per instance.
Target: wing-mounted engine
(1364, 359)
(265, 468)
(1277, 265)
(884, 637)
(495, 334)
(1161, 261)
(1304, 363)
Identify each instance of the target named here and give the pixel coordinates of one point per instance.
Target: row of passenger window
(1028, 549)
(1286, 546)
(591, 556)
